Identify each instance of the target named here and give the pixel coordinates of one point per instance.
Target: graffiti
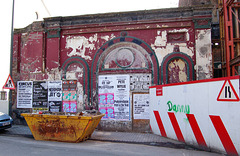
(178, 108)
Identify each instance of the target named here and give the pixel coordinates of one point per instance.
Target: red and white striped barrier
(202, 113)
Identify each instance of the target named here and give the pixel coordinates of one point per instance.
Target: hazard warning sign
(9, 83)
(227, 92)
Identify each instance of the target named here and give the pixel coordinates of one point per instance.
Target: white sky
(25, 14)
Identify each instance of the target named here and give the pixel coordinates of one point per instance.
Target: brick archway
(101, 55)
(86, 74)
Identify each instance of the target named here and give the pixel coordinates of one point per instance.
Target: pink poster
(106, 105)
(69, 96)
(69, 106)
(65, 96)
(108, 111)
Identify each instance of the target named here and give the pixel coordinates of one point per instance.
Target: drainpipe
(11, 61)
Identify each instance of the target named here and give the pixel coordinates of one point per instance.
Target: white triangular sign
(227, 93)
(9, 83)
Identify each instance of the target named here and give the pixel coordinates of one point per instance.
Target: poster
(141, 106)
(72, 85)
(69, 96)
(69, 106)
(24, 94)
(69, 85)
(55, 95)
(40, 95)
(65, 85)
(121, 98)
(69, 101)
(55, 106)
(38, 109)
(106, 105)
(106, 84)
(114, 96)
(139, 82)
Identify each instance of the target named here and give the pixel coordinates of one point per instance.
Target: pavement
(121, 137)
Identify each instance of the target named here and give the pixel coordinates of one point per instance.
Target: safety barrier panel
(202, 113)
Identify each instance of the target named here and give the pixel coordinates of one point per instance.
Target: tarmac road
(12, 145)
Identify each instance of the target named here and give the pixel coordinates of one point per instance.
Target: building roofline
(119, 17)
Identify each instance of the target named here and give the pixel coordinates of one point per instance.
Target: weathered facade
(150, 47)
(216, 43)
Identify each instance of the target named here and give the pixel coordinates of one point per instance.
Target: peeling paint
(37, 70)
(203, 54)
(93, 38)
(79, 45)
(71, 76)
(177, 71)
(74, 72)
(181, 30)
(163, 48)
(29, 65)
(182, 76)
(54, 74)
(106, 38)
(80, 100)
(161, 40)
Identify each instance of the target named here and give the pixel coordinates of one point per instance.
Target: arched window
(177, 67)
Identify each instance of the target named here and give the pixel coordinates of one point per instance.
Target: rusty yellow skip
(66, 128)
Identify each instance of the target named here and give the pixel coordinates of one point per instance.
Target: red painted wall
(75, 47)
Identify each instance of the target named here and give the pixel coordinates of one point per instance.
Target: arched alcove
(177, 67)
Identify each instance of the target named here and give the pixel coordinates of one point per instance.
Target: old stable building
(108, 61)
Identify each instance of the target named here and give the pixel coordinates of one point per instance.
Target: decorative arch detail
(124, 56)
(100, 54)
(176, 55)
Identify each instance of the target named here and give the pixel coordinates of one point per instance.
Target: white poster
(106, 84)
(113, 91)
(24, 94)
(139, 82)
(141, 106)
(55, 90)
(121, 97)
